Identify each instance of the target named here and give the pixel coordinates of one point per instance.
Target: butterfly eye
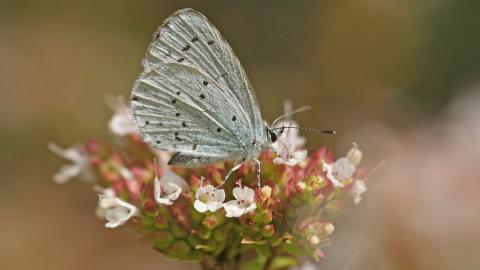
(273, 136)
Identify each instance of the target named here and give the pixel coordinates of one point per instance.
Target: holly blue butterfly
(194, 98)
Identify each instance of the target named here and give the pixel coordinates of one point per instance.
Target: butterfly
(194, 98)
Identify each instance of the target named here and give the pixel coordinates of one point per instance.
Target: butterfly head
(274, 133)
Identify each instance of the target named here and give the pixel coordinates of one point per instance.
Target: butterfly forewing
(188, 38)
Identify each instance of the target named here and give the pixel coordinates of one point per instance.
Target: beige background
(395, 76)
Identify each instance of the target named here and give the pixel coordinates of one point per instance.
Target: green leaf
(283, 262)
(263, 250)
(292, 249)
(255, 264)
(178, 231)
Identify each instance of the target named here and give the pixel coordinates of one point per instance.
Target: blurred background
(399, 77)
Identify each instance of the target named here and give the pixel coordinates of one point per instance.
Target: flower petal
(173, 191)
(249, 194)
(121, 125)
(171, 177)
(300, 155)
(200, 206)
(237, 192)
(116, 211)
(66, 173)
(358, 188)
(232, 209)
(219, 195)
(343, 169)
(328, 168)
(214, 206)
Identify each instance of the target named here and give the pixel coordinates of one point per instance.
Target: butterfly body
(194, 98)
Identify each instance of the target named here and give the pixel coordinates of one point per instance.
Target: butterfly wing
(187, 37)
(175, 111)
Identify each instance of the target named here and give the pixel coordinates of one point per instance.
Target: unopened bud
(355, 155)
(266, 192)
(318, 254)
(314, 240)
(150, 206)
(329, 228)
(301, 186)
(268, 230)
(210, 222)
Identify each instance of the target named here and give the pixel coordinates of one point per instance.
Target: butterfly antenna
(327, 131)
(301, 109)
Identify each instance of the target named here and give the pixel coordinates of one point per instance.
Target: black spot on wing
(177, 138)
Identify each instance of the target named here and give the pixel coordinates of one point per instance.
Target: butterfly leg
(259, 169)
(230, 173)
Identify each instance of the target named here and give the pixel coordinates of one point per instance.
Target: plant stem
(270, 259)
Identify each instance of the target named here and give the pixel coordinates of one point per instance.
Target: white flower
(288, 145)
(169, 187)
(339, 171)
(121, 123)
(288, 157)
(344, 168)
(80, 164)
(244, 202)
(100, 212)
(357, 189)
(114, 210)
(208, 199)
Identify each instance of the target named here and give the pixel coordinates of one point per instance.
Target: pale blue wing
(187, 37)
(176, 111)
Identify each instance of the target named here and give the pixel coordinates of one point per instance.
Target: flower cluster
(188, 214)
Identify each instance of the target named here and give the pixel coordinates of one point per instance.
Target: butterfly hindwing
(176, 112)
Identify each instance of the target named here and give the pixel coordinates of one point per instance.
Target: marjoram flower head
(188, 214)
